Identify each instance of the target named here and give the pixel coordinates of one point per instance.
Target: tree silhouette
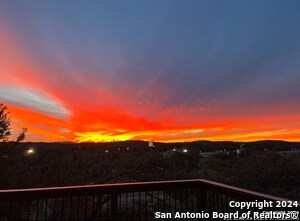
(5, 129)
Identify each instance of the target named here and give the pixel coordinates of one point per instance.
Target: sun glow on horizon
(97, 137)
(168, 136)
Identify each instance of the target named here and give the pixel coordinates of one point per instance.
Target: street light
(30, 151)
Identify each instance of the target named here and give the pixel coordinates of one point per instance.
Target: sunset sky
(151, 70)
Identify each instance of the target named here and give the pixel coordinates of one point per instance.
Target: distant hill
(207, 146)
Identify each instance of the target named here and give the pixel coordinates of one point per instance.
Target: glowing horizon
(167, 72)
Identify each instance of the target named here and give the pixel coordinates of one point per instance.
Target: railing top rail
(113, 185)
(240, 191)
(135, 187)
(97, 189)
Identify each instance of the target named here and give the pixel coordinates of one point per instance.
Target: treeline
(258, 167)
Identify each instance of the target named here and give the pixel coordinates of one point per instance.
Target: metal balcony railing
(125, 201)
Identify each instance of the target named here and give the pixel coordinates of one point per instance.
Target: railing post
(114, 206)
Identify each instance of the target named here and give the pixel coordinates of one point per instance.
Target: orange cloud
(124, 111)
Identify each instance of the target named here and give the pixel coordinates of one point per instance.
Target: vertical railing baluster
(226, 203)
(210, 201)
(192, 200)
(114, 206)
(181, 200)
(175, 198)
(221, 202)
(78, 206)
(46, 209)
(37, 210)
(107, 208)
(170, 201)
(201, 199)
(158, 204)
(54, 208)
(85, 207)
(152, 205)
(20, 206)
(146, 205)
(186, 200)
(126, 202)
(10, 210)
(93, 207)
(164, 200)
(70, 212)
(133, 204)
(62, 209)
(139, 205)
(119, 206)
(217, 202)
(100, 207)
(28, 211)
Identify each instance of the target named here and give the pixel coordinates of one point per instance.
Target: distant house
(151, 144)
(207, 154)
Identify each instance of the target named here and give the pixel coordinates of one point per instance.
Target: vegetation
(5, 129)
(263, 171)
(54, 164)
